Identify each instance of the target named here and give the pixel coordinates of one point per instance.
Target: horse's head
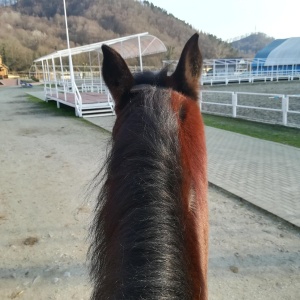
(157, 166)
(183, 86)
(184, 80)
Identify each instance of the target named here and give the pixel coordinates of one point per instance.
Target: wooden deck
(87, 98)
(93, 104)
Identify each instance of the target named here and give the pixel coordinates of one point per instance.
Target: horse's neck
(146, 256)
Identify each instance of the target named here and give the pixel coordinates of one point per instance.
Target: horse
(150, 227)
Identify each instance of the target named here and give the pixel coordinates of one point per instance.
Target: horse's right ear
(116, 74)
(186, 77)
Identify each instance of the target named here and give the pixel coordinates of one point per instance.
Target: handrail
(78, 101)
(111, 102)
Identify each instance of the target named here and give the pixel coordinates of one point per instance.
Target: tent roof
(281, 52)
(263, 53)
(127, 46)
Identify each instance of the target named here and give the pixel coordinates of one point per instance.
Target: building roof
(2, 65)
(130, 46)
(281, 52)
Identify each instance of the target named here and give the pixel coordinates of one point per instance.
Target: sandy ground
(47, 161)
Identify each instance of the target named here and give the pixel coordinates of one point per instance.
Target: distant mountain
(251, 44)
(32, 28)
(8, 2)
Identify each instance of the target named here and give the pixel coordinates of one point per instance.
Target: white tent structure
(280, 55)
(280, 60)
(81, 86)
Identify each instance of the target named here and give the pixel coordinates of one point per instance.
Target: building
(281, 56)
(280, 60)
(3, 69)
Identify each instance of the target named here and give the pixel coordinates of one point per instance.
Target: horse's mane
(138, 231)
(150, 231)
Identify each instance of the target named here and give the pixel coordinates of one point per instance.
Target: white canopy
(137, 45)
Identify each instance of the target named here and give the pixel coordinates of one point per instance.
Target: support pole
(49, 77)
(91, 70)
(70, 55)
(140, 53)
(100, 75)
(285, 108)
(234, 104)
(55, 77)
(44, 77)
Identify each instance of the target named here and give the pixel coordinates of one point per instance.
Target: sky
(229, 19)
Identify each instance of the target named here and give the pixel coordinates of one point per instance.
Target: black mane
(138, 229)
(152, 78)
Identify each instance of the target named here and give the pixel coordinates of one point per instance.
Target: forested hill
(32, 28)
(250, 45)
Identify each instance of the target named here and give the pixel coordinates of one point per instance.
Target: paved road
(264, 173)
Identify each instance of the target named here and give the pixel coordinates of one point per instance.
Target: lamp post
(70, 56)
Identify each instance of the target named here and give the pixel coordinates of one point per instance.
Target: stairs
(91, 112)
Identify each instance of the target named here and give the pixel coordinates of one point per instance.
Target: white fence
(267, 108)
(224, 71)
(262, 76)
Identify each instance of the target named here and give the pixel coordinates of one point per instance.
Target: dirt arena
(47, 161)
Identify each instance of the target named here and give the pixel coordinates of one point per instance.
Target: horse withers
(150, 230)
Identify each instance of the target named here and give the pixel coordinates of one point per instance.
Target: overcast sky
(229, 19)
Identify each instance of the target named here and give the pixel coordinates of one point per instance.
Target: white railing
(267, 108)
(78, 101)
(224, 71)
(259, 75)
(110, 101)
(54, 90)
(94, 88)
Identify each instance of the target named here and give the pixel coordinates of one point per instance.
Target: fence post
(285, 108)
(234, 104)
(200, 100)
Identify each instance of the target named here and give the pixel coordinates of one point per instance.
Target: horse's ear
(186, 77)
(116, 74)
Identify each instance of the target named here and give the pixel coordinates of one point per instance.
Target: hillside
(7, 2)
(251, 44)
(32, 28)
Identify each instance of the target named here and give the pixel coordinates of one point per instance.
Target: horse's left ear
(116, 74)
(186, 77)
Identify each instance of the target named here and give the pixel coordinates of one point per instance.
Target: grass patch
(64, 110)
(275, 133)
